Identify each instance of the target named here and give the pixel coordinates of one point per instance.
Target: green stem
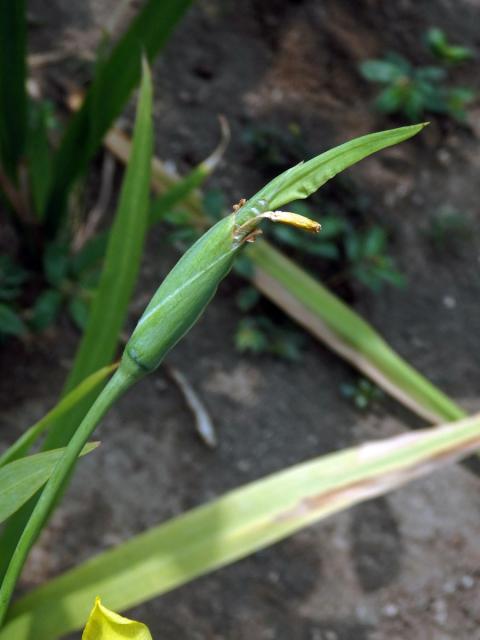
(115, 388)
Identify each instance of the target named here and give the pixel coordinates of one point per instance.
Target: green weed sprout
(415, 91)
(438, 44)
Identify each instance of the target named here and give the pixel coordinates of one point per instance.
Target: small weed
(363, 393)
(438, 44)
(416, 91)
(368, 261)
(260, 335)
(360, 255)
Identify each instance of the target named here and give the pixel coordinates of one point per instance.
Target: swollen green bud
(189, 287)
(181, 298)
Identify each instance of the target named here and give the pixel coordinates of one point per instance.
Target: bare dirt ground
(404, 566)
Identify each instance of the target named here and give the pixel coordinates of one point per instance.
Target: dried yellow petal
(293, 219)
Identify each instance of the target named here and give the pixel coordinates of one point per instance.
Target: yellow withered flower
(104, 624)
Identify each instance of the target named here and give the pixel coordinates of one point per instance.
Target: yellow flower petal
(104, 624)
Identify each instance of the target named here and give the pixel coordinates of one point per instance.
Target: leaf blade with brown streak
(237, 524)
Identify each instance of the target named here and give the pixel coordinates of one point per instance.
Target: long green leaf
(21, 479)
(184, 189)
(122, 261)
(39, 158)
(21, 446)
(13, 101)
(174, 192)
(305, 178)
(109, 308)
(331, 320)
(234, 526)
(115, 80)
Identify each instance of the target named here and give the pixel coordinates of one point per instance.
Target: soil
(407, 565)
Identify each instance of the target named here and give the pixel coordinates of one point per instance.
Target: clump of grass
(43, 162)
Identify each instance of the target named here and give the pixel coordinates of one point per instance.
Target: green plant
(20, 479)
(252, 517)
(187, 289)
(438, 44)
(259, 334)
(363, 393)
(345, 253)
(37, 178)
(259, 514)
(367, 260)
(183, 295)
(12, 279)
(415, 92)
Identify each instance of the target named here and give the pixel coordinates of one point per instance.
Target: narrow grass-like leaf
(21, 446)
(331, 320)
(13, 100)
(163, 182)
(21, 479)
(122, 261)
(109, 307)
(177, 194)
(115, 80)
(39, 158)
(234, 526)
(305, 178)
(181, 190)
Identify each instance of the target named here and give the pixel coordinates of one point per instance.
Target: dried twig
(203, 421)
(39, 60)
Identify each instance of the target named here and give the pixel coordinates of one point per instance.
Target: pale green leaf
(22, 445)
(21, 479)
(234, 526)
